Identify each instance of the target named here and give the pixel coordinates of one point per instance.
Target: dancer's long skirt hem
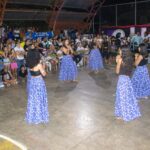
(37, 106)
(68, 69)
(95, 60)
(126, 104)
(141, 82)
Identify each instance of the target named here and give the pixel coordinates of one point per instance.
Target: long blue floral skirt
(68, 69)
(37, 107)
(126, 104)
(141, 82)
(95, 60)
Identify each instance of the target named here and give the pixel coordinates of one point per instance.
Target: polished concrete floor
(82, 116)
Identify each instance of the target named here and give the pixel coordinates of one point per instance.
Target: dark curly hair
(127, 56)
(33, 58)
(92, 45)
(143, 50)
(127, 59)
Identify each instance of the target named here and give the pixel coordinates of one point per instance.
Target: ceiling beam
(44, 11)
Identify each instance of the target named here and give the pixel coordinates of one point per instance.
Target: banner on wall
(36, 35)
(143, 30)
(43, 35)
(132, 30)
(129, 30)
(118, 33)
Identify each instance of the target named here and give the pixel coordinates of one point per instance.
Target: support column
(2, 10)
(57, 7)
(116, 15)
(93, 11)
(135, 19)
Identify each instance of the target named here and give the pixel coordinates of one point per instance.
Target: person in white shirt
(79, 47)
(147, 36)
(78, 57)
(78, 40)
(17, 33)
(19, 56)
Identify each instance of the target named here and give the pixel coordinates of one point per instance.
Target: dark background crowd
(16, 42)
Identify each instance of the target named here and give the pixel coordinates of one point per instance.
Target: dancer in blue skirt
(37, 107)
(126, 104)
(140, 78)
(68, 68)
(95, 63)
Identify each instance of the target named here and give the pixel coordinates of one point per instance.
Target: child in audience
(13, 65)
(23, 73)
(1, 68)
(8, 78)
(6, 60)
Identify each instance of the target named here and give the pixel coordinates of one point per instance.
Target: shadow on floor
(64, 89)
(101, 79)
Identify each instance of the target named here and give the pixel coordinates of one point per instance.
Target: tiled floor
(82, 117)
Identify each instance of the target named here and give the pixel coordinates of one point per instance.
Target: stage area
(81, 116)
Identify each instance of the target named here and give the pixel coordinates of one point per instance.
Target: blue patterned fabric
(68, 69)
(126, 105)
(37, 107)
(95, 60)
(141, 82)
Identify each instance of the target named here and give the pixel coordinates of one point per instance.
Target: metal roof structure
(57, 13)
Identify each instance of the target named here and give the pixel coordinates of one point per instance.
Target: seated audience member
(7, 78)
(1, 68)
(23, 73)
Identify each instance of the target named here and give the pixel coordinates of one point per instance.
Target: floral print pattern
(68, 69)
(141, 82)
(37, 107)
(95, 60)
(126, 105)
